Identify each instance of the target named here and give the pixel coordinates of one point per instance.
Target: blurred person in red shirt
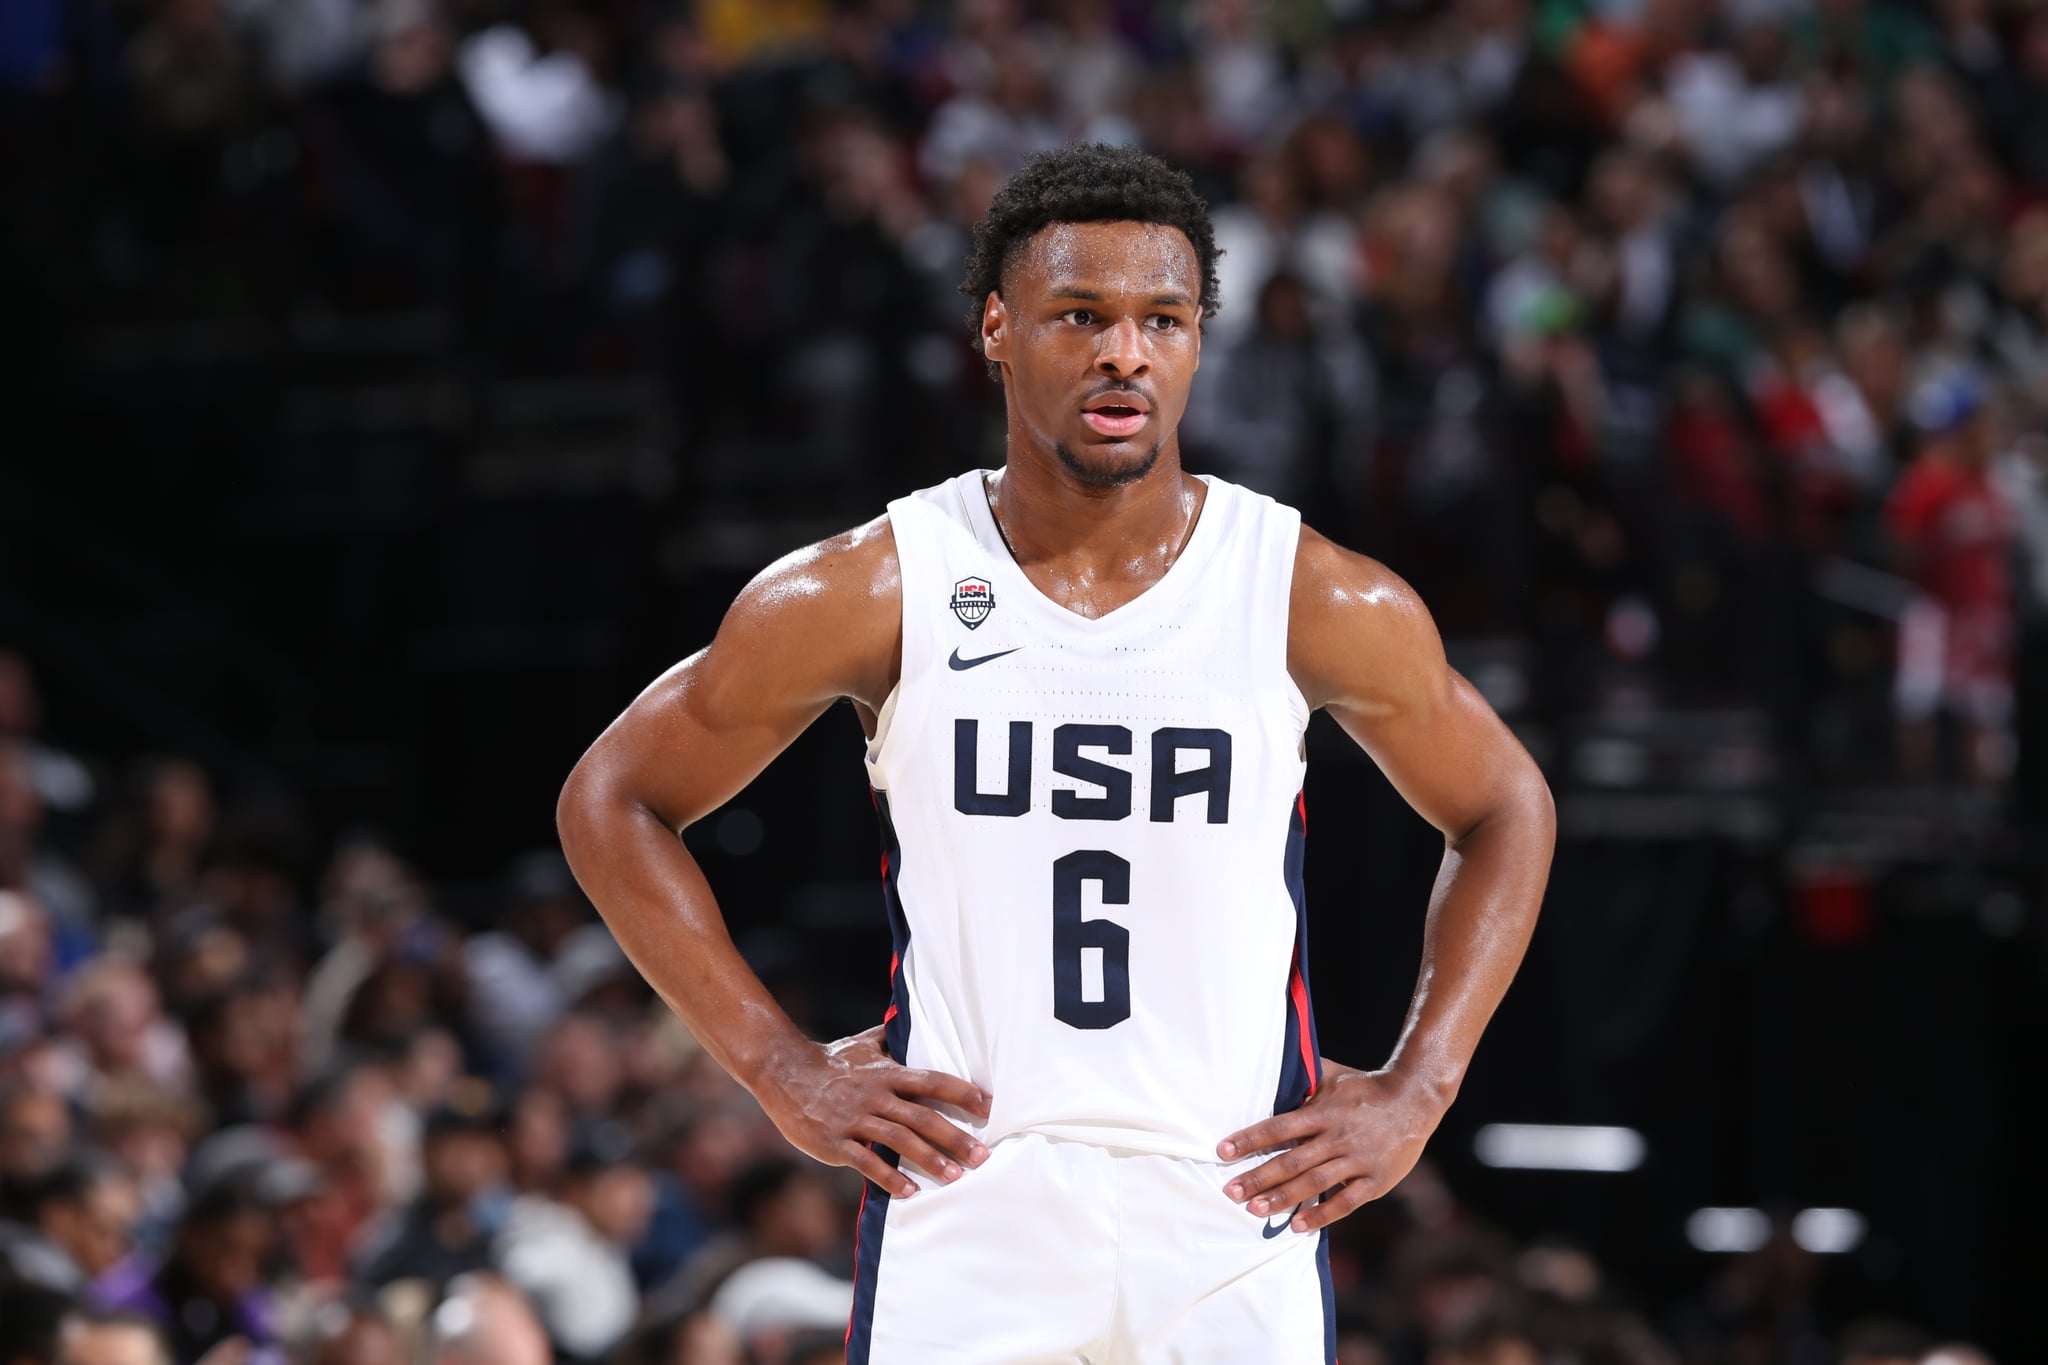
(1955, 638)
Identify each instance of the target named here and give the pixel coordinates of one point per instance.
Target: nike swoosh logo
(958, 664)
(1269, 1232)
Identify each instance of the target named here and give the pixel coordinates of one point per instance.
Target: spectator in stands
(372, 904)
(1451, 1279)
(569, 1254)
(1491, 1338)
(579, 1060)
(70, 1226)
(484, 1321)
(774, 1303)
(1014, 115)
(238, 1055)
(1955, 1353)
(513, 998)
(61, 779)
(448, 1228)
(538, 1139)
(348, 1333)
(213, 1284)
(152, 853)
(149, 1130)
(1289, 408)
(117, 1028)
(26, 959)
(2017, 336)
(706, 1151)
(358, 1140)
(538, 86)
(1739, 107)
(112, 1338)
(1956, 641)
(27, 862)
(36, 1129)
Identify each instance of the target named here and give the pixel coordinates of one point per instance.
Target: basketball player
(1094, 1123)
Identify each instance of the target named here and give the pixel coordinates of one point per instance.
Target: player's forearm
(655, 899)
(1481, 914)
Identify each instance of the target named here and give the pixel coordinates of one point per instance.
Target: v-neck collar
(1162, 590)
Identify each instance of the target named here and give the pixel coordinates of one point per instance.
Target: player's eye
(1080, 317)
(1164, 322)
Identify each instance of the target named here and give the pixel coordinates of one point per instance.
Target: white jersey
(1093, 831)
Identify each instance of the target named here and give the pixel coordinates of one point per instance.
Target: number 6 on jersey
(1072, 936)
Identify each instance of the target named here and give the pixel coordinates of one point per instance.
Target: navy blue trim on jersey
(896, 1031)
(874, 1200)
(1301, 1064)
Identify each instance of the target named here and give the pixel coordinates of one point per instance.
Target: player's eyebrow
(1079, 291)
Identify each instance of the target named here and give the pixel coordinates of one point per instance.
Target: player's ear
(995, 327)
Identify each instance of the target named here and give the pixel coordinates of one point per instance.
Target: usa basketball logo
(972, 601)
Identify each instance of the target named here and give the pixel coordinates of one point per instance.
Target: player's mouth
(1116, 414)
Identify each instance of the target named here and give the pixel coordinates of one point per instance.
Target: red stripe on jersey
(895, 961)
(1297, 990)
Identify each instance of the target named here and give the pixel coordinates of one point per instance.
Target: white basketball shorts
(1066, 1253)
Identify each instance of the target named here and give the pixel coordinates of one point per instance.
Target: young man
(1094, 1122)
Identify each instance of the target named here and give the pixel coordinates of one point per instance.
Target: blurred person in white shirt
(569, 1254)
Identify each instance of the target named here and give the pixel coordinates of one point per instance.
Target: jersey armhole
(877, 745)
(882, 752)
(1290, 536)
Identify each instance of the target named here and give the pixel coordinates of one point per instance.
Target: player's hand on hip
(834, 1100)
(1354, 1140)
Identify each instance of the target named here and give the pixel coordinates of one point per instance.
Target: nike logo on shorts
(1269, 1232)
(958, 664)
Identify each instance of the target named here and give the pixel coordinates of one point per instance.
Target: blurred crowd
(1704, 335)
(1704, 344)
(263, 1100)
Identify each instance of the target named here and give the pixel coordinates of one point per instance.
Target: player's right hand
(834, 1100)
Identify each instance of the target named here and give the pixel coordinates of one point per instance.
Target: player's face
(1097, 331)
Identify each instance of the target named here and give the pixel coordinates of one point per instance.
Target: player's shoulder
(1330, 579)
(843, 572)
(830, 612)
(1354, 626)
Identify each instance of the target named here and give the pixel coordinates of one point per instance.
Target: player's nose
(1121, 349)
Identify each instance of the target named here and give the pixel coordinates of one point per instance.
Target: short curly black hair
(1086, 183)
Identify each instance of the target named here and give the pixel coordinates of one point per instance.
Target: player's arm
(822, 624)
(1362, 646)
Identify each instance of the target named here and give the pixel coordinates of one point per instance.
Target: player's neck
(1048, 514)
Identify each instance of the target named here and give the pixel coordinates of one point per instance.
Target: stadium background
(393, 387)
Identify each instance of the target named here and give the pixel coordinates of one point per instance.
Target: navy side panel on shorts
(874, 1200)
(1329, 1297)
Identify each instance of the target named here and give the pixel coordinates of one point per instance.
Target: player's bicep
(1447, 753)
(797, 639)
(698, 735)
(1367, 650)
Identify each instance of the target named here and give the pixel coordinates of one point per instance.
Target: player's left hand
(1355, 1139)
